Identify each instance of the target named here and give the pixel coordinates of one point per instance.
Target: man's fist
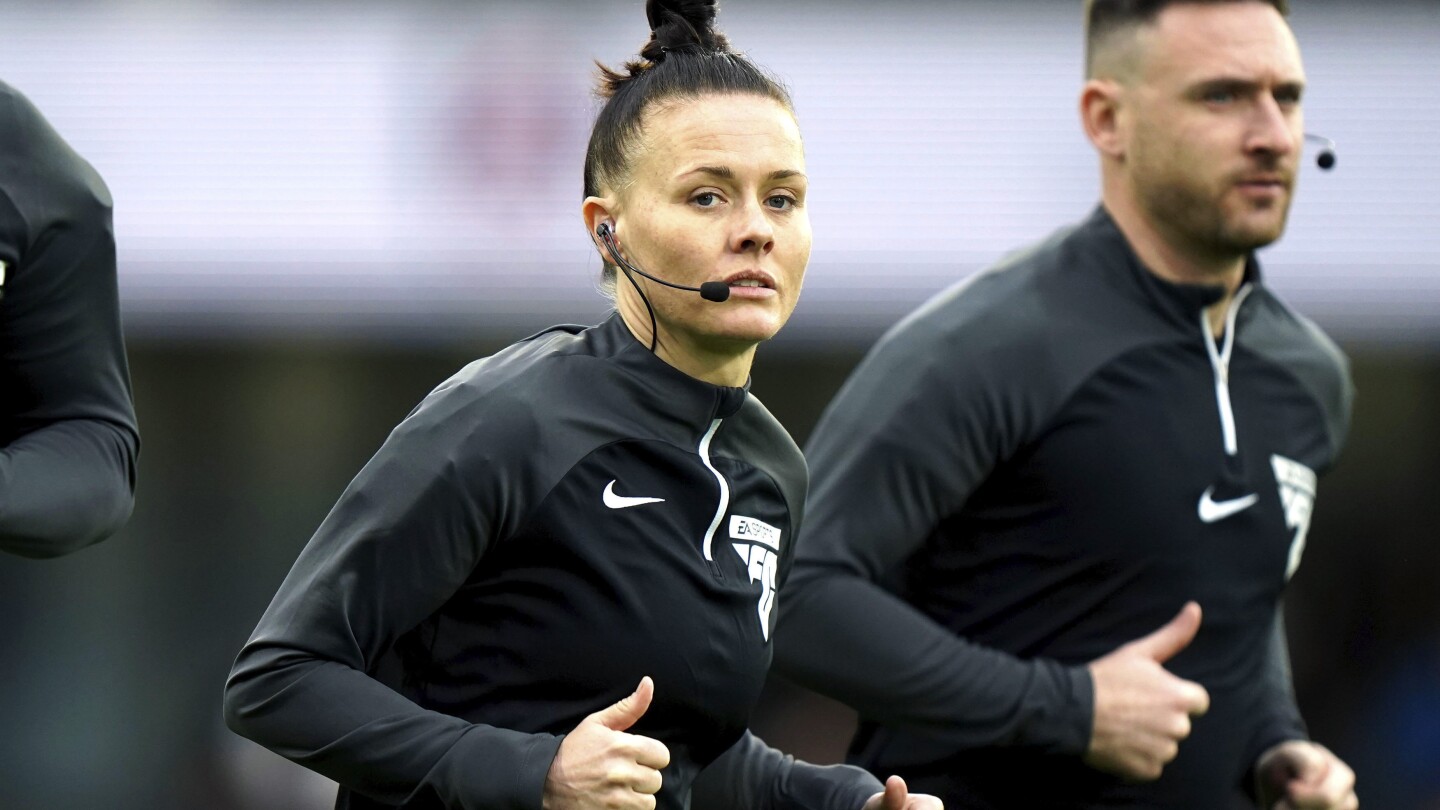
(1301, 775)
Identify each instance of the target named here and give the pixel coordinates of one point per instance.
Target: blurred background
(325, 208)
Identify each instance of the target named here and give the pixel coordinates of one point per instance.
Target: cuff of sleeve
(844, 787)
(498, 768)
(1067, 732)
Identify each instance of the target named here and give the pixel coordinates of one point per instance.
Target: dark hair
(1105, 17)
(684, 59)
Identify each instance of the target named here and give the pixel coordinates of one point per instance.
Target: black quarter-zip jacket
(1041, 464)
(545, 528)
(68, 435)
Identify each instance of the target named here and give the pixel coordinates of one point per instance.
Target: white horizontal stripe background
(413, 170)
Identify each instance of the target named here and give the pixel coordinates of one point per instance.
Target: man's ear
(1101, 107)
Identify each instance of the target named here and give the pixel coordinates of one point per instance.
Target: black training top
(544, 529)
(68, 439)
(1043, 463)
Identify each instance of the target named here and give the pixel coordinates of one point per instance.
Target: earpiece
(717, 291)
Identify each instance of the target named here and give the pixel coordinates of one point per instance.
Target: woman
(587, 509)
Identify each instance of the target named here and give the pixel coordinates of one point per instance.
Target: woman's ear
(597, 211)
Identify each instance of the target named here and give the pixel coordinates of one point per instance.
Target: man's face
(1214, 125)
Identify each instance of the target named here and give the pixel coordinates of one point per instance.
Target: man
(1098, 438)
(68, 438)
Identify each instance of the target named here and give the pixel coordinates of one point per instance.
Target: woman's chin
(747, 328)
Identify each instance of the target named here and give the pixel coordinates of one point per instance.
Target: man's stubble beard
(1201, 218)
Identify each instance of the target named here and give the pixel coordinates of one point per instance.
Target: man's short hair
(1104, 18)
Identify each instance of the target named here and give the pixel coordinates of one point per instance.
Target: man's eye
(706, 199)
(781, 202)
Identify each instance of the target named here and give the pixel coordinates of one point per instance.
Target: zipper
(724, 504)
(1220, 364)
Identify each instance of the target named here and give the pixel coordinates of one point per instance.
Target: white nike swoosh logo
(621, 502)
(1212, 511)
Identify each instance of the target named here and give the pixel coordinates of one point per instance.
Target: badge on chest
(758, 544)
(1297, 496)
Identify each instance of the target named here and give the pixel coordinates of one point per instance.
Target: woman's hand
(897, 797)
(600, 767)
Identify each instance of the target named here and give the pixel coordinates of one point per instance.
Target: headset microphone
(1326, 158)
(717, 291)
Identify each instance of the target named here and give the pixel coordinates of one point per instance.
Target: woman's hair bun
(677, 25)
(686, 58)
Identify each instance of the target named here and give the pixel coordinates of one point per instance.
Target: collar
(1175, 300)
(663, 382)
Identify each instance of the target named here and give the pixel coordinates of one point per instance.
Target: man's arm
(1280, 717)
(68, 436)
(1289, 770)
(919, 675)
(917, 428)
(65, 486)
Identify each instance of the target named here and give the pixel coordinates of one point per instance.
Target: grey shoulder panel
(1294, 343)
(955, 389)
(41, 174)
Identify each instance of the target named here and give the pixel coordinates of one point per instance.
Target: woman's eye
(706, 199)
(781, 202)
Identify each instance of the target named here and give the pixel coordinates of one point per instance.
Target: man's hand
(1302, 775)
(600, 766)
(1142, 712)
(897, 797)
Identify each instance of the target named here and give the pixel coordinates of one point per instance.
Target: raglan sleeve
(919, 425)
(751, 775)
(1325, 370)
(1278, 716)
(403, 537)
(68, 434)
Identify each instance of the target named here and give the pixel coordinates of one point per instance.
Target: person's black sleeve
(921, 422)
(1279, 716)
(751, 775)
(850, 640)
(68, 436)
(401, 540)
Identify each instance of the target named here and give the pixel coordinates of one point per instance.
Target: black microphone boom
(1326, 158)
(717, 291)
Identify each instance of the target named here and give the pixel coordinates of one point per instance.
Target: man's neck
(1174, 262)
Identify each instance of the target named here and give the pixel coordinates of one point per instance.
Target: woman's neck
(716, 362)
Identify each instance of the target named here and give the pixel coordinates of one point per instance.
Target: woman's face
(716, 192)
